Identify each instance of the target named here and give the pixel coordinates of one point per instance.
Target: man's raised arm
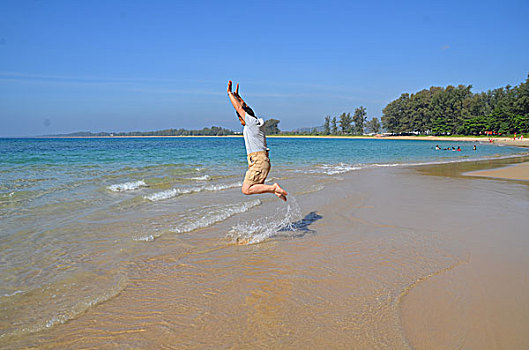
(237, 102)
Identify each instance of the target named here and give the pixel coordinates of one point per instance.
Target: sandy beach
(171, 179)
(421, 257)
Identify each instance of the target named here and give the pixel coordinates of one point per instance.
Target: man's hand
(229, 87)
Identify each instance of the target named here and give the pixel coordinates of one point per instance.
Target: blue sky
(146, 65)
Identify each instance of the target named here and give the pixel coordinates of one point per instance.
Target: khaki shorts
(258, 168)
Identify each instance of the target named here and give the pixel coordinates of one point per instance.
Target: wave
(158, 196)
(215, 216)
(333, 169)
(205, 217)
(127, 186)
(12, 294)
(7, 195)
(201, 178)
(256, 231)
(340, 168)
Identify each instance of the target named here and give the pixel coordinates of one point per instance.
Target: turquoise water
(226, 152)
(75, 212)
(23, 159)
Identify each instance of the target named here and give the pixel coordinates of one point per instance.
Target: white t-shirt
(254, 134)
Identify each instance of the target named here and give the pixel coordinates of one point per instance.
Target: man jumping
(255, 142)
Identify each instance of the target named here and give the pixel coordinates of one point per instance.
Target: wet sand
(513, 172)
(395, 258)
(483, 303)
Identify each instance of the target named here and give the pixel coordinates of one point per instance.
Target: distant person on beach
(458, 149)
(437, 147)
(474, 148)
(256, 149)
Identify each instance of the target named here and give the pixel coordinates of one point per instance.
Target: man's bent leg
(250, 189)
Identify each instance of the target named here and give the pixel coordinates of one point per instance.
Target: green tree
(396, 115)
(334, 126)
(327, 125)
(271, 127)
(346, 123)
(359, 119)
(373, 125)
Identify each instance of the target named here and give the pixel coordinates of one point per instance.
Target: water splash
(283, 222)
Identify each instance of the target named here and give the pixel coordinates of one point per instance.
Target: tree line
(347, 124)
(456, 110)
(442, 111)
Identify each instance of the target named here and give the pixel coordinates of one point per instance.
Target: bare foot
(242, 241)
(279, 192)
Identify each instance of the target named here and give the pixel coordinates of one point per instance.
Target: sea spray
(258, 230)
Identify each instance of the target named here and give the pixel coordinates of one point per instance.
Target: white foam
(256, 231)
(201, 178)
(127, 186)
(12, 294)
(148, 238)
(333, 169)
(204, 217)
(340, 168)
(158, 196)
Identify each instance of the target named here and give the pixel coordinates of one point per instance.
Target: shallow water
(147, 227)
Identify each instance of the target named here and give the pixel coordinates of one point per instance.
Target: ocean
(77, 215)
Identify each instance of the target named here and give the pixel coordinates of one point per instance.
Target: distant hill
(80, 134)
(213, 131)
